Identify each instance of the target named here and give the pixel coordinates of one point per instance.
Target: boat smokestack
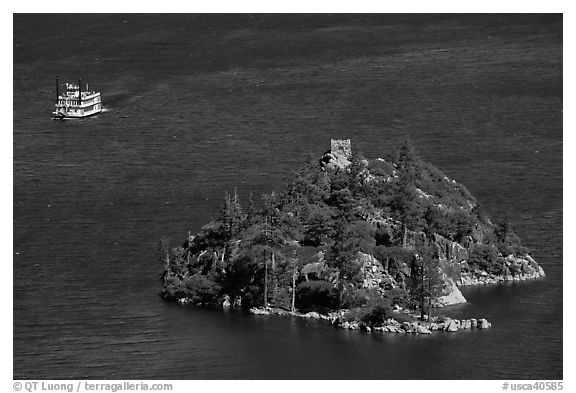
(57, 92)
(79, 92)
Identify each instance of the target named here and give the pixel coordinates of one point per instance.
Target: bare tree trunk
(265, 283)
(294, 287)
(422, 306)
(422, 295)
(404, 236)
(266, 270)
(274, 280)
(429, 291)
(215, 267)
(188, 245)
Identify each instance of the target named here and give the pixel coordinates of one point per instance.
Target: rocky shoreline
(391, 325)
(526, 268)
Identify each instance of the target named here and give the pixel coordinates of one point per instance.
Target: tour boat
(76, 103)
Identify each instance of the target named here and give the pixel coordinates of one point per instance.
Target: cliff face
(365, 235)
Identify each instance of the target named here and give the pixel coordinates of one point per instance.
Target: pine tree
(405, 201)
(426, 278)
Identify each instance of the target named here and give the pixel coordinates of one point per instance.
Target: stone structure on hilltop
(341, 148)
(339, 155)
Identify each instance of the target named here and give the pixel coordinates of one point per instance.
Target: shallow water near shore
(201, 105)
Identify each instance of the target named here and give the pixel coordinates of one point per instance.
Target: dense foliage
(303, 248)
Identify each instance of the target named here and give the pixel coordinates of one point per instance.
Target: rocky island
(375, 244)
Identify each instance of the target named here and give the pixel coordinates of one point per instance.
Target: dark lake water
(201, 104)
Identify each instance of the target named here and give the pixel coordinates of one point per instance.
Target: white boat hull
(67, 116)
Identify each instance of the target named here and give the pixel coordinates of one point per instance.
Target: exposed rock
(389, 326)
(350, 325)
(333, 316)
(404, 269)
(406, 327)
(315, 268)
(259, 311)
(449, 250)
(374, 274)
(527, 267)
(483, 324)
(452, 295)
(279, 311)
(516, 269)
(451, 326)
(423, 194)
